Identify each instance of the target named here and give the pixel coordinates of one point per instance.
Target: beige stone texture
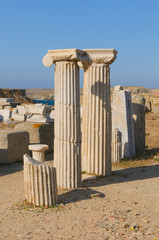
(118, 88)
(38, 151)
(138, 108)
(5, 114)
(96, 121)
(39, 182)
(39, 133)
(38, 113)
(116, 145)
(122, 118)
(76, 55)
(4, 100)
(67, 154)
(13, 145)
(67, 147)
(148, 105)
(156, 108)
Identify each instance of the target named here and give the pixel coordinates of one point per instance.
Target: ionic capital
(101, 56)
(76, 55)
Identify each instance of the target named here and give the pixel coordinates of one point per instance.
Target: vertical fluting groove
(39, 182)
(96, 139)
(67, 143)
(116, 145)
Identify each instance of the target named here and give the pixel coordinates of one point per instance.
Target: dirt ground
(123, 206)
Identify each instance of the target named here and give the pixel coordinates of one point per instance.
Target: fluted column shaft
(96, 123)
(116, 145)
(67, 150)
(39, 155)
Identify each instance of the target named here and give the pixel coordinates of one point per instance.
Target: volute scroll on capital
(101, 56)
(76, 55)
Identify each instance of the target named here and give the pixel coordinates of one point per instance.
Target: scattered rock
(126, 225)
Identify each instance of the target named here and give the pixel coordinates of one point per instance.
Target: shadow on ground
(118, 176)
(126, 175)
(10, 168)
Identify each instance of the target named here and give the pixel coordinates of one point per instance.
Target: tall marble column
(67, 143)
(96, 123)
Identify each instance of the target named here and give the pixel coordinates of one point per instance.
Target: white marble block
(21, 110)
(38, 113)
(4, 100)
(96, 121)
(5, 114)
(39, 182)
(122, 118)
(116, 145)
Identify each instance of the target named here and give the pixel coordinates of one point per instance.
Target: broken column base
(39, 182)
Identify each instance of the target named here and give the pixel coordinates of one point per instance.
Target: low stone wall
(13, 145)
(42, 133)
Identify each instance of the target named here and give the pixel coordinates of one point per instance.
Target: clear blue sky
(28, 28)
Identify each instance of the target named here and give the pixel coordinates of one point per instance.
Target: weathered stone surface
(39, 182)
(116, 145)
(21, 110)
(42, 133)
(148, 106)
(96, 121)
(13, 145)
(118, 88)
(138, 107)
(75, 55)
(156, 108)
(122, 118)
(38, 113)
(38, 151)
(67, 154)
(5, 114)
(3, 100)
(52, 114)
(103, 56)
(67, 157)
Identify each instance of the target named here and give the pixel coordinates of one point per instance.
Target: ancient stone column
(96, 122)
(39, 182)
(67, 143)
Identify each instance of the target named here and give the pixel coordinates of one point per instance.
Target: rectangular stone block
(138, 107)
(39, 132)
(36, 109)
(21, 109)
(122, 118)
(13, 145)
(5, 114)
(18, 117)
(156, 108)
(6, 100)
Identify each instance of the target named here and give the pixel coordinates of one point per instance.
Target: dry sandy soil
(123, 206)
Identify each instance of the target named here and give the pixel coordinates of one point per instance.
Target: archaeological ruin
(109, 126)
